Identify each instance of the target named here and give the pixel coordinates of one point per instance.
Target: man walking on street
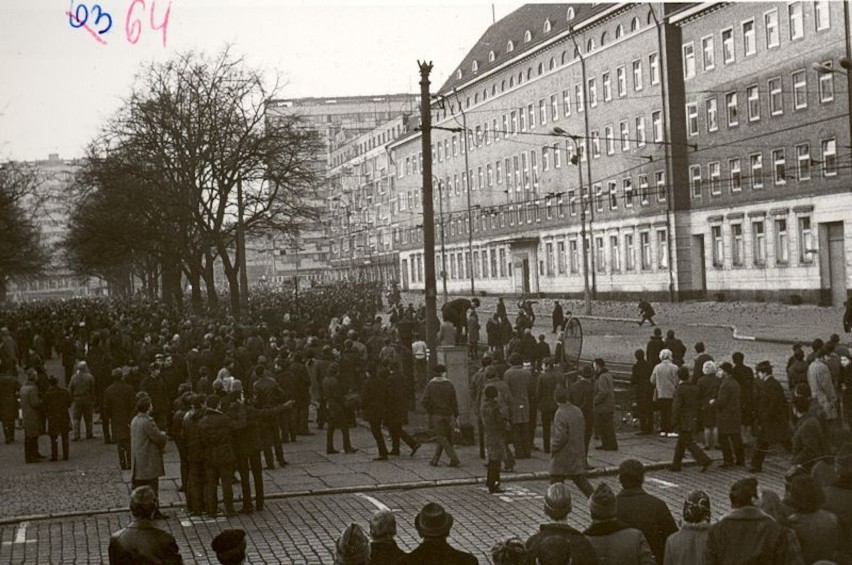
(568, 445)
(57, 401)
(374, 401)
(439, 400)
(117, 412)
(771, 422)
(518, 379)
(604, 407)
(686, 411)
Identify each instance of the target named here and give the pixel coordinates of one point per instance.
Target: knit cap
(353, 547)
(602, 504)
(709, 368)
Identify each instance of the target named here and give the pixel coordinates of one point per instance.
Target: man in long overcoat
(374, 401)
(219, 459)
(31, 406)
(117, 409)
(771, 422)
(147, 443)
(729, 418)
(9, 387)
(567, 445)
(57, 401)
(518, 379)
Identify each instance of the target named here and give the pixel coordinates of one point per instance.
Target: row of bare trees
(190, 158)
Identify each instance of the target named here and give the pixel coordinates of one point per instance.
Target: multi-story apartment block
(769, 182)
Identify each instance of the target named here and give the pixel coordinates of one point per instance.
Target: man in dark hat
(142, 541)
(117, 409)
(439, 400)
(433, 523)
(57, 401)
(230, 546)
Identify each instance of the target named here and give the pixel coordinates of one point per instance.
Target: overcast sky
(58, 83)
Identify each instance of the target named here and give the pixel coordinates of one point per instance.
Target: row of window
(774, 91)
(748, 35)
(732, 243)
(613, 253)
(757, 178)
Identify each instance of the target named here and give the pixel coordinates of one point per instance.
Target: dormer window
(510, 47)
(634, 25)
(458, 74)
(619, 31)
(475, 66)
(547, 26)
(527, 36)
(590, 46)
(570, 14)
(491, 57)
(604, 38)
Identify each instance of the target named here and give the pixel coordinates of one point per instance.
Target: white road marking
(20, 535)
(662, 483)
(193, 520)
(375, 502)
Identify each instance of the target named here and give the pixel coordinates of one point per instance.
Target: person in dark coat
(638, 509)
(613, 540)
(744, 375)
(433, 523)
(142, 541)
(686, 409)
(728, 413)
(604, 407)
(9, 388)
(518, 378)
(57, 402)
(676, 346)
(772, 420)
(244, 434)
(816, 529)
(581, 395)
(477, 386)
(396, 413)
(219, 459)
(118, 403)
(455, 312)
(557, 506)
(383, 547)
(701, 357)
(809, 444)
(31, 417)
(374, 401)
(440, 402)
(155, 386)
(503, 399)
(333, 398)
(568, 447)
(838, 500)
(545, 389)
(646, 312)
(640, 378)
(269, 398)
(194, 456)
(655, 345)
(494, 428)
(557, 317)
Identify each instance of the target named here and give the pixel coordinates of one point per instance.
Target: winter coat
(652, 351)
(57, 402)
(494, 428)
(374, 398)
(146, 447)
(396, 410)
(215, 428)
(664, 378)
(118, 406)
(616, 543)
(432, 551)
(688, 546)
(748, 536)
(473, 329)
(708, 386)
(9, 387)
(582, 394)
(439, 398)
(503, 396)
(31, 406)
(677, 348)
(686, 407)
(649, 515)
(818, 534)
(582, 552)
(809, 442)
(547, 387)
(728, 408)
(477, 385)
(822, 388)
(604, 399)
(193, 446)
(385, 553)
(518, 379)
(698, 366)
(797, 372)
(744, 375)
(143, 543)
(567, 442)
(838, 501)
(640, 378)
(494, 333)
(772, 420)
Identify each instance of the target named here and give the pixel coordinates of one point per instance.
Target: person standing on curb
(518, 379)
(686, 409)
(640, 378)
(664, 379)
(503, 395)
(728, 411)
(604, 407)
(82, 389)
(568, 444)
(117, 408)
(494, 426)
(31, 407)
(147, 443)
(439, 400)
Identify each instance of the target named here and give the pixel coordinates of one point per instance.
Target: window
(688, 61)
(613, 195)
(502, 262)
(797, 24)
(803, 158)
(575, 256)
(609, 140)
(654, 66)
(557, 156)
(736, 175)
(756, 162)
(614, 254)
(572, 203)
(619, 31)
(737, 249)
(498, 172)
(776, 97)
(514, 122)
(749, 39)
(560, 257)
(692, 119)
(708, 53)
(510, 47)
(634, 25)
(806, 240)
(829, 158)
(621, 81)
(547, 26)
(826, 85)
(782, 250)
(478, 178)
(593, 92)
(718, 246)
(715, 172)
(545, 158)
(527, 36)
(753, 95)
(758, 242)
(800, 90)
(627, 187)
(542, 112)
(643, 189)
(660, 182)
(489, 176)
(657, 126)
(637, 74)
(566, 102)
(549, 258)
(578, 96)
(728, 53)
(645, 245)
(770, 20)
(779, 167)
(606, 81)
(662, 250)
(554, 108)
(695, 180)
(733, 112)
(640, 131)
(822, 17)
(485, 264)
(598, 197)
(570, 15)
(711, 114)
(629, 253)
(625, 136)
(531, 115)
(600, 254)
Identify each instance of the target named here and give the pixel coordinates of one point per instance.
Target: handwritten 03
(98, 22)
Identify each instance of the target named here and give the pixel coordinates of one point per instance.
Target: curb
(413, 485)
(735, 334)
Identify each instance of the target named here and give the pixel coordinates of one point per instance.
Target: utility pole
(428, 215)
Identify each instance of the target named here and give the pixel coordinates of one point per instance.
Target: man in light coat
(147, 443)
(82, 389)
(664, 379)
(822, 387)
(604, 407)
(31, 405)
(568, 444)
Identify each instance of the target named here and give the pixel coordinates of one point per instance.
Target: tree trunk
(210, 281)
(3, 289)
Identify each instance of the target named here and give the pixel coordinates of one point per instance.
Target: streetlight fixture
(576, 160)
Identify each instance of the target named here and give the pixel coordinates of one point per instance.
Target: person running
(646, 312)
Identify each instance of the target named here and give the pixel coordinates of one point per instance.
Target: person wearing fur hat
(433, 524)
(687, 545)
(557, 506)
(614, 541)
(353, 547)
(383, 548)
(230, 547)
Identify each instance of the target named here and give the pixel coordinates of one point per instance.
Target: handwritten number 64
(133, 25)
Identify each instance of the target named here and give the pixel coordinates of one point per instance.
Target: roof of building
(532, 18)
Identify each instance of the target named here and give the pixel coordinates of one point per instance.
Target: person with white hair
(82, 389)
(664, 378)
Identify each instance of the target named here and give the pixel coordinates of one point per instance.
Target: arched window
(503, 85)
(459, 74)
(604, 39)
(547, 26)
(650, 19)
(520, 78)
(564, 57)
(493, 89)
(590, 46)
(510, 47)
(540, 69)
(570, 14)
(529, 73)
(475, 66)
(634, 25)
(511, 81)
(476, 98)
(552, 63)
(484, 94)
(527, 36)
(491, 57)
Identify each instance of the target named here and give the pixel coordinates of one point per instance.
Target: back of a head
(743, 492)
(683, 373)
(699, 347)
(737, 357)
(696, 507)
(631, 473)
(353, 547)
(557, 501)
(602, 503)
(806, 495)
(560, 394)
(510, 552)
(230, 546)
(143, 503)
(554, 550)
(382, 525)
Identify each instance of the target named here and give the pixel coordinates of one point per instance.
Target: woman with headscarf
(686, 547)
